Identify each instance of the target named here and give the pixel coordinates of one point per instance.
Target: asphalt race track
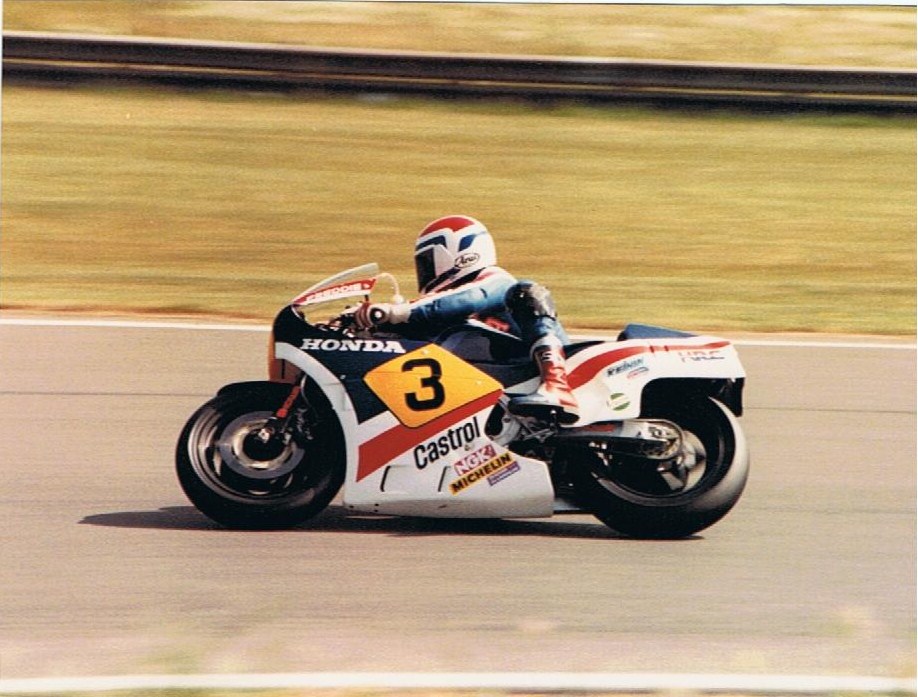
(108, 570)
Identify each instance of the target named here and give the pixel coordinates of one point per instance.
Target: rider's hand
(370, 315)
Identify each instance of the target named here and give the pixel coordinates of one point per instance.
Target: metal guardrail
(68, 57)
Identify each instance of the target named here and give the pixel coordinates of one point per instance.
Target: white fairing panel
(457, 473)
(453, 472)
(608, 378)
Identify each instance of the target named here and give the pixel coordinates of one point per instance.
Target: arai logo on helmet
(467, 259)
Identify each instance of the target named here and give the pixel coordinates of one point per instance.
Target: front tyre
(647, 499)
(239, 481)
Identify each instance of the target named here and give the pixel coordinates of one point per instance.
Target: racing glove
(370, 315)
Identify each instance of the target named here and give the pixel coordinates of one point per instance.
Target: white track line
(537, 682)
(825, 344)
(193, 326)
(131, 324)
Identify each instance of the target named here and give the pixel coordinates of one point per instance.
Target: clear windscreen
(334, 295)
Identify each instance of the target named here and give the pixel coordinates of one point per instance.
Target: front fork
(277, 428)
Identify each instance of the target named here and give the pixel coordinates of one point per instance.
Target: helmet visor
(425, 267)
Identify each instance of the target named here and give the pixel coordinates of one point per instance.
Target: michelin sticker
(494, 470)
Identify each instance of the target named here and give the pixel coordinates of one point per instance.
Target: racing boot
(553, 396)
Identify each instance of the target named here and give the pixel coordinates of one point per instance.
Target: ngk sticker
(494, 470)
(473, 460)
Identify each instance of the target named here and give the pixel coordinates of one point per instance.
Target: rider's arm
(483, 296)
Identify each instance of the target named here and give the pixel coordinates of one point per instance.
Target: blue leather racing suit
(487, 296)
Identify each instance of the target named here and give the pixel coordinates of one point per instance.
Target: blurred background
(165, 201)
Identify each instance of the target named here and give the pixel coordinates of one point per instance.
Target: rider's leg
(533, 310)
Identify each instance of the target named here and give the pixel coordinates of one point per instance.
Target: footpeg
(539, 406)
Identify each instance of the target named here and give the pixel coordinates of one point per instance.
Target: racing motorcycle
(422, 428)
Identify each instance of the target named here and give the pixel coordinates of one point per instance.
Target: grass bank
(880, 36)
(229, 203)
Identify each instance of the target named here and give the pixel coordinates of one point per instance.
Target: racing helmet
(451, 248)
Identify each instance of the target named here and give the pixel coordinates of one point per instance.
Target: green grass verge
(229, 203)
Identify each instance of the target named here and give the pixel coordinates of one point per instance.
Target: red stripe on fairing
(454, 223)
(587, 370)
(381, 449)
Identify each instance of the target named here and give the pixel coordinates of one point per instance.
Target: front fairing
(414, 417)
(347, 359)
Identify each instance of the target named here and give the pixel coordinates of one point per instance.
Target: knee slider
(530, 299)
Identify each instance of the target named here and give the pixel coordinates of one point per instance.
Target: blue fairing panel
(648, 331)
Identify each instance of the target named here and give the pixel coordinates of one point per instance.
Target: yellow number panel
(427, 383)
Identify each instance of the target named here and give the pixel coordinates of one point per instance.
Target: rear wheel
(675, 498)
(242, 481)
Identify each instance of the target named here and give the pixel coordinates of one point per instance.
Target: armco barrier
(68, 57)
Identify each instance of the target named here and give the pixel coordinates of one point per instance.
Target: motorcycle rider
(459, 279)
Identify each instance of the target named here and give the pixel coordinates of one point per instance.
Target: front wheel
(239, 481)
(667, 500)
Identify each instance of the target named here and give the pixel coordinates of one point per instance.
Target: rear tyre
(634, 497)
(240, 482)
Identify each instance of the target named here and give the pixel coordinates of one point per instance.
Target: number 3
(428, 382)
